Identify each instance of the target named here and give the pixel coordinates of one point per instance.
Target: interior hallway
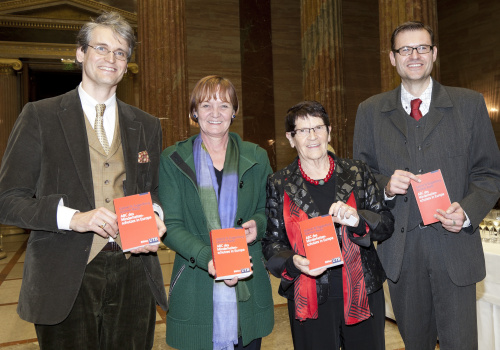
(17, 334)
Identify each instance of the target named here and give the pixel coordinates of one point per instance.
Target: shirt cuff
(64, 216)
(158, 210)
(467, 220)
(387, 198)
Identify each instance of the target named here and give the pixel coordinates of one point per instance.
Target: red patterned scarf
(305, 295)
(356, 307)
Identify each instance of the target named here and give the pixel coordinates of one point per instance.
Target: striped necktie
(99, 128)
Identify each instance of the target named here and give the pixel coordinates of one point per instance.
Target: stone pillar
(128, 89)
(322, 52)
(3, 254)
(9, 110)
(6, 230)
(162, 65)
(393, 13)
(257, 80)
(10, 107)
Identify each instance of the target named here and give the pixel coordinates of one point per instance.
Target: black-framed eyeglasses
(101, 50)
(408, 50)
(318, 129)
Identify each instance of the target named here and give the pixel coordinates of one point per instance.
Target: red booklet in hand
(136, 221)
(230, 253)
(431, 194)
(320, 242)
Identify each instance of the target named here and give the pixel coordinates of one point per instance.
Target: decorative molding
(133, 68)
(68, 61)
(11, 7)
(39, 23)
(18, 49)
(11, 63)
(15, 49)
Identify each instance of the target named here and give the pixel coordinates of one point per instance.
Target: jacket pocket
(175, 279)
(36, 236)
(181, 295)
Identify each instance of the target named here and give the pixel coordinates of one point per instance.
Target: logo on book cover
(336, 260)
(153, 240)
(245, 270)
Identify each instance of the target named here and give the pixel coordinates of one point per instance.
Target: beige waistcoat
(108, 174)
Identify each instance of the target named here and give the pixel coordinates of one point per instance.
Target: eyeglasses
(101, 50)
(408, 50)
(319, 129)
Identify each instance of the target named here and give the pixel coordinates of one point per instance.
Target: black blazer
(47, 158)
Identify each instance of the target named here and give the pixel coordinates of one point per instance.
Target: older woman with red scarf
(341, 306)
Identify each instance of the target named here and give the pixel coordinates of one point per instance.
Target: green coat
(189, 320)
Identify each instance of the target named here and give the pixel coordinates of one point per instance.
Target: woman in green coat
(210, 181)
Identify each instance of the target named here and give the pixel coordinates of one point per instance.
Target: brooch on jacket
(143, 157)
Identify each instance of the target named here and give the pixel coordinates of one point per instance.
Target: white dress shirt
(426, 96)
(88, 105)
(65, 214)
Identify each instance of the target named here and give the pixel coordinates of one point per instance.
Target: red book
(230, 253)
(431, 194)
(320, 242)
(136, 221)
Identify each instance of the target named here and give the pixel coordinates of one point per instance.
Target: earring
(234, 116)
(194, 116)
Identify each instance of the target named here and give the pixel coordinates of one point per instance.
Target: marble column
(3, 254)
(393, 13)
(322, 53)
(9, 110)
(162, 65)
(10, 97)
(128, 89)
(257, 80)
(7, 230)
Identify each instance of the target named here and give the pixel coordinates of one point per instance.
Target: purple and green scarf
(220, 212)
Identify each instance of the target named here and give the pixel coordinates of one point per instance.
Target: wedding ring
(103, 225)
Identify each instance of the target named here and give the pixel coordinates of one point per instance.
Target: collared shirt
(65, 214)
(426, 96)
(406, 99)
(88, 105)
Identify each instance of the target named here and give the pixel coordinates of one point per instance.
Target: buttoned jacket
(459, 140)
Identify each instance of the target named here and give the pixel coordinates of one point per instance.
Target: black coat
(458, 139)
(350, 176)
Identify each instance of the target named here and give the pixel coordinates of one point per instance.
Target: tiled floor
(17, 334)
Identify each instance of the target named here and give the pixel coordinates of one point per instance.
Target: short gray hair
(111, 20)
